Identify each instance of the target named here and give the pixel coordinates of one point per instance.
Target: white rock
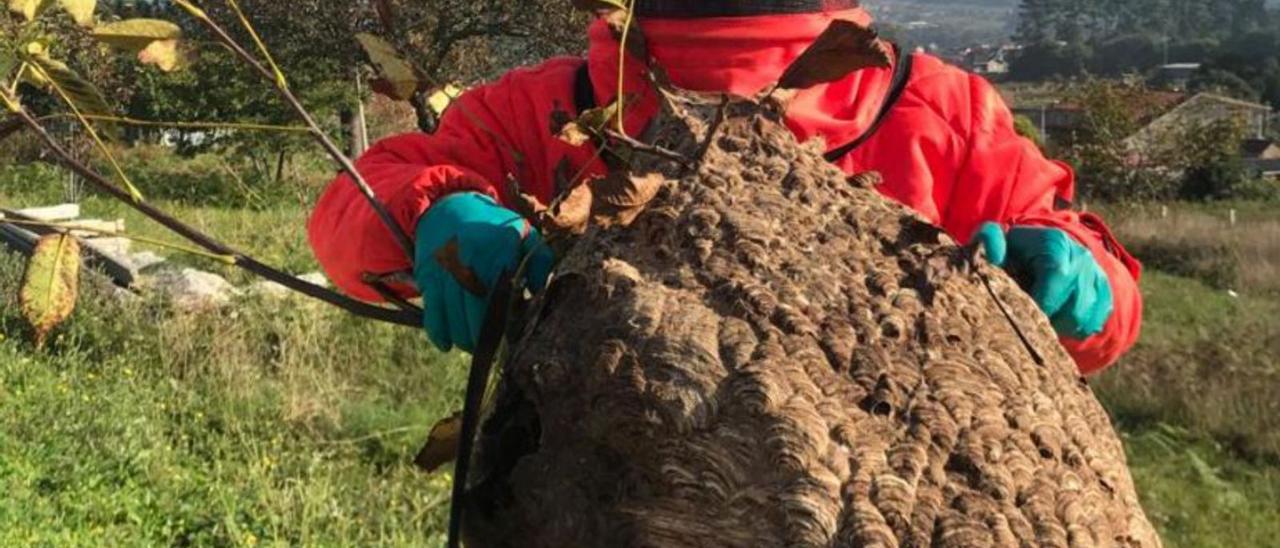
(193, 289)
(316, 278)
(144, 259)
(267, 288)
(115, 248)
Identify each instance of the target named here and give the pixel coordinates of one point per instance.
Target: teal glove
(491, 239)
(1060, 274)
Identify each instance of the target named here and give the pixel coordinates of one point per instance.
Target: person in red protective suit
(946, 147)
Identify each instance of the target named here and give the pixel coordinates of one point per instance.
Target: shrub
(1216, 265)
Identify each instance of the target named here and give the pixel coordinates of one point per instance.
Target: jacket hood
(740, 56)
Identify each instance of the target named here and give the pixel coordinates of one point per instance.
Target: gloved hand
(1060, 274)
(491, 239)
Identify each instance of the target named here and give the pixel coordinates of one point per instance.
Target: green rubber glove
(491, 239)
(1060, 274)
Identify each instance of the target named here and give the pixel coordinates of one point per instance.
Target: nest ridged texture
(773, 355)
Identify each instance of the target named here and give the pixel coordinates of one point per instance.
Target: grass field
(284, 423)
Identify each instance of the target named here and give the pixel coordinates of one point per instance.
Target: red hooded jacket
(947, 149)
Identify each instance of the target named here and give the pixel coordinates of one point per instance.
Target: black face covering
(735, 8)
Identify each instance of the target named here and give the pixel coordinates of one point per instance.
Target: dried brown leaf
(626, 191)
(397, 78)
(573, 134)
(573, 212)
(448, 258)
(442, 443)
(841, 49)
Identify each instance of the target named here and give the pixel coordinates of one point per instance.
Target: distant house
(986, 59)
(1201, 109)
(1176, 76)
(1058, 119)
(1260, 149)
(1163, 113)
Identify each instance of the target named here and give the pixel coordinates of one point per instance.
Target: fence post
(1233, 217)
(1164, 211)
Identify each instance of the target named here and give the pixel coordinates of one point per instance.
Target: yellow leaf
(32, 76)
(164, 54)
(136, 34)
(80, 10)
(443, 97)
(30, 9)
(398, 79)
(50, 284)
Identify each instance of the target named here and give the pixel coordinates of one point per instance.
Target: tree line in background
(1237, 42)
(448, 41)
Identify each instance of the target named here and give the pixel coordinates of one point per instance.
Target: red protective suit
(948, 149)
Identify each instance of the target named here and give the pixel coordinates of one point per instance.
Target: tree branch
(398, 232)
(646, 148)
(207, 242)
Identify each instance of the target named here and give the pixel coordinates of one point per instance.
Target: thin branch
(281, 81)
(646, 148)
(207, 242)
(721, 113)
(622, 66)
(390, 295)
(406, 244)
(77, 227)
(187, 125)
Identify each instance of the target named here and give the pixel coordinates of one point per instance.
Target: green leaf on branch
(84, 95)
(80, 10)
(135, 35)
(8, 62)
(51, 283)
(397, 78)
(590, 123)
(29, 9)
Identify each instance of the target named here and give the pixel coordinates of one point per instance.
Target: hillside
(945, 25)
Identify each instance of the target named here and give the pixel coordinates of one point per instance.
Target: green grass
(278, 422)
(1200, 494)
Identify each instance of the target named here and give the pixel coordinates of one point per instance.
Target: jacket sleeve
(1010, 181)
(407, 173)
